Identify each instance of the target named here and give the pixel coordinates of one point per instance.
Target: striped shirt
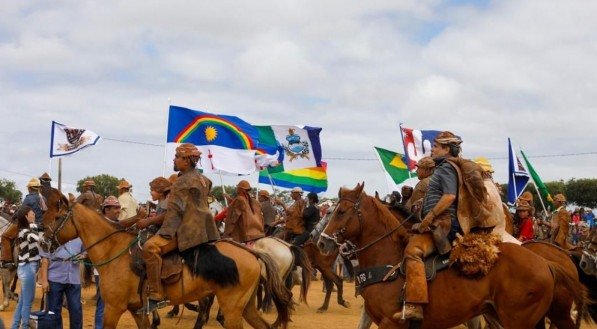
(443, 181)
(28, 245)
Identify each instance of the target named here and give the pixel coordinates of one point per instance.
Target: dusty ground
(304, 316)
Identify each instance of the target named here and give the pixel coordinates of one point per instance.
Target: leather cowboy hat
(160, 184)
(484, 164)
(527, 197)
(523, 205)
(447, 138)
(263, 193)
(89, 182)
(560, 197)
(243, 184)
(124, 184)
(34, 182)
(187, 150)
(45, 176)
(111, 201)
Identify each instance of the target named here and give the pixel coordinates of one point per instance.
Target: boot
(416, 292)
(153, 266)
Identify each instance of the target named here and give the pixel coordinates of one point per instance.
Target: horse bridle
(340, 233)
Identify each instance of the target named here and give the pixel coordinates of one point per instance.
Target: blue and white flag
(68, 140)
(518, 177)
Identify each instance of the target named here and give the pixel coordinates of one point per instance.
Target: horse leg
(173, 312)
(340, 294)
(252, 317)
(141, 320)
(112, 316)
(365, 322)
(155, 319)
(328, 293)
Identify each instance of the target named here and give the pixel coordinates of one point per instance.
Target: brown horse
(517, 292)
(228, 270)
(325, 263)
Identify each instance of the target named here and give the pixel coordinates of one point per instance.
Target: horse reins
(357, 208)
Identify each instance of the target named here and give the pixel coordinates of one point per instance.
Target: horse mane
(387, 219)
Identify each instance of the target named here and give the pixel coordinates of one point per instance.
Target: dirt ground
(304, 317)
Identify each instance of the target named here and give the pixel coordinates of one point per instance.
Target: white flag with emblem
(68, 140)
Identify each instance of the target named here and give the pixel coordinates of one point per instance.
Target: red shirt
(526, 229)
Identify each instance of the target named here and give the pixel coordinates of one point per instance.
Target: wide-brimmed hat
(124, 184)
(243, 184)
(296, 189)
(447, 138)
(523, 205)
(484, 164)
(263, 193)
(34, 182)
(111, 201)
(160, 185)
(426, 163)
(560, 197)
(527, 197)
(45, 176)
(89, 182)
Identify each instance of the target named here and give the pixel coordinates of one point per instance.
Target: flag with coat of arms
(67, 140)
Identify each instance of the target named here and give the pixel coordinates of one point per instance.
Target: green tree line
(580, 192)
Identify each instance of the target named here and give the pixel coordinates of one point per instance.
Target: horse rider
(440, 222)
(45, 180)
(89, 197)
(560, 219)
(187, 223)
(268, 211)
(424, 171)
(407, 193)
(127, 202)
(295, 225)
(244, 220)
(496, 200)
(38, 204)
(311, 218)
(523, 210)
(160, 190)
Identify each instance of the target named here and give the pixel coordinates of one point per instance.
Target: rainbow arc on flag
(313, 179)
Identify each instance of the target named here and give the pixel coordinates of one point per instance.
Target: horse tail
(301, 259)
(274, 286)
(206, 261)
(579, 293)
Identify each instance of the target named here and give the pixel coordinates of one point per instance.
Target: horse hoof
(345, 304)
(321, 310)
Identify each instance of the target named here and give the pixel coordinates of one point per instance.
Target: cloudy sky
(486, 70)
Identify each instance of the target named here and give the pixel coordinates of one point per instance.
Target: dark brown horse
(325, 264)
(517, 292)
(227, 270)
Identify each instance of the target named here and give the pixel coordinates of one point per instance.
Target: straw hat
(485, 164)
(34, 182)
(523, 205)
(527, 197)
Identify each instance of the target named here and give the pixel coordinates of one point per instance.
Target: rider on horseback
(188, 221)
(89, 197)
(446, 197)
(244, 221)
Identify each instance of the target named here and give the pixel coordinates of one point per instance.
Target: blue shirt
(32, 200)
(62, 270)
(589, 217)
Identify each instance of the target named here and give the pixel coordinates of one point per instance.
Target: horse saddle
(171, 263)
(433, 264)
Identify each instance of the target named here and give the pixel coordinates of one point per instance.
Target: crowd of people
(181, 219)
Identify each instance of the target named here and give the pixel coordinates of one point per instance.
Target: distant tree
(582, 192)
(216, 191)
(105, 185)
(9, 192)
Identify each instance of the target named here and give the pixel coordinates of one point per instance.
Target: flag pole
(535, 185)
(60, 174)
(223, 189)
(271, 181)
(405, 151)
(166, 144)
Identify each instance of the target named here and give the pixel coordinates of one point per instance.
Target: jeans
(26, 274)
(73, 301)
(99, 309)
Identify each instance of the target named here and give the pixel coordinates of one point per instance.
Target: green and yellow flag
(545, 195)
(394, 165)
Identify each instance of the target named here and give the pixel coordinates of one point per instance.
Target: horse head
(57, 220)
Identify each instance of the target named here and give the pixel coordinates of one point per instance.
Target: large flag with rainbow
(312, 179)
(227, 143)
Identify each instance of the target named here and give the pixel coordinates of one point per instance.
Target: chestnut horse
(517, 292)
(227, 270)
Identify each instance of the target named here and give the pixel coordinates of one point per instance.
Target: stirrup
(151, 306)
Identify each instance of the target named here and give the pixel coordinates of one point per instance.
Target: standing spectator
(523, 210)
(576, 216)
(128, 204)
(589, 218)
(60, 277)
(268, 210)
(28, 264)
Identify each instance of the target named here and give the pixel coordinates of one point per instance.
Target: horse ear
(360, 187)
(377, 196)
(340, 193)
(71, 199)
